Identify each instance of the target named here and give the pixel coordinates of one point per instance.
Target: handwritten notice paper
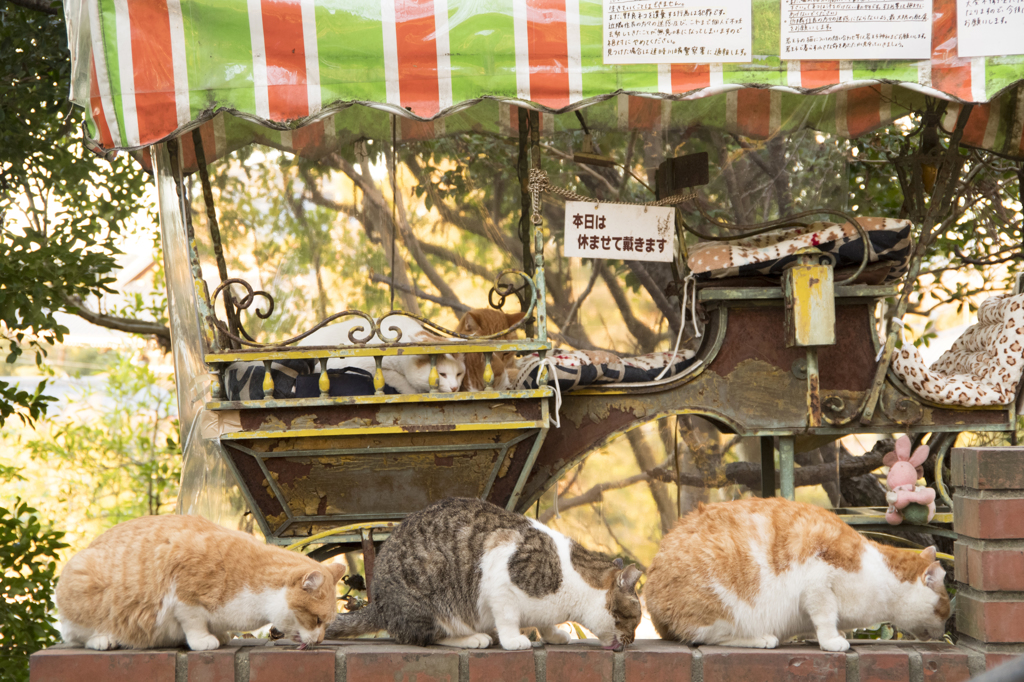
(856, 29)
(989, 28)
(619, 231)
(676, 31)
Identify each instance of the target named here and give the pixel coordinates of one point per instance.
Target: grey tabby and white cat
(461, 569)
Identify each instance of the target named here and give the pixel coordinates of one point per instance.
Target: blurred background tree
(29, 551)
(62, 208)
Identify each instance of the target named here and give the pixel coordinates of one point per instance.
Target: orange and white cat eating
(163, 581)
(753, 573)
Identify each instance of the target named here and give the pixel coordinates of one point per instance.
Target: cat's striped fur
(462, 569)
(162, 581)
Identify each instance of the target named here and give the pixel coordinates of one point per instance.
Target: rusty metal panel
(301, 484)
(749, 386)
(757, 333)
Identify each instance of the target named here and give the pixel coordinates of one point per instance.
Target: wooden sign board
(619, 231)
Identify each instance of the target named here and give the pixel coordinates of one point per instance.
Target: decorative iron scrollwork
(904, 410)
(833, 408)
(240, 305)
(369, 329)
(505, 289)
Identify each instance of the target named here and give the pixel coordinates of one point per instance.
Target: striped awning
(146, 70)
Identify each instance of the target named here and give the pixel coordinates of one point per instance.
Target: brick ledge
(378, 660)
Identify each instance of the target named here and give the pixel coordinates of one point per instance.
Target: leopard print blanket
(984, 365)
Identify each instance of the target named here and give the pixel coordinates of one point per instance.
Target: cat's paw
(770, 641)
(516, 643)
(478, 641)
(101, 643)
(834, 644)
(555, 635)
(203, 643)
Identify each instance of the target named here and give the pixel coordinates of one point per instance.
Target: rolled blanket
(577, 368)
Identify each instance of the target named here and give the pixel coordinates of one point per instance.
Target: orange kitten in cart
(163, 581)
(484, 322)
(753, 573)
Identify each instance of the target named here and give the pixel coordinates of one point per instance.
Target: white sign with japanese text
(856, 29)
(619, 231)
(676, 31)
(989, 28)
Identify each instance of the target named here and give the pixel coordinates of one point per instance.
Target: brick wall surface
(647, 660)
(988, 517)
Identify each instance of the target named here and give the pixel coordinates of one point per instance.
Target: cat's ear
(469, 324)
(929, 553)
(336, 570)
(618, 563)
(627, 579)
(934, 577)
(312, 581)
(512, 318)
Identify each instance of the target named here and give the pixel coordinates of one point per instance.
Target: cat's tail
(354, 623)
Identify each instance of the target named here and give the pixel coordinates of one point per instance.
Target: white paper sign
(676, 31)
(855, 29)
(619, 231)
(989, 28)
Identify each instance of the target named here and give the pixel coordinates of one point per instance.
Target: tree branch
(643, 334)
(594, 494)
(582, 168)
(657, 295)
(577, 343)
(611, 532)
(742, 473)
(457, 306)
(478, 227)
(373, 198)
(122, 324)
(582, 297)
(458, 260)
(413, 244)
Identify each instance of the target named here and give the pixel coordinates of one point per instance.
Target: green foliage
(979, 240)
(61, 207)
(120, 445)
(28, 406)
(28, 556)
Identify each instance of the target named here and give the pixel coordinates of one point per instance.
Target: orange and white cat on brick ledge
(162, 581)
(753, 573)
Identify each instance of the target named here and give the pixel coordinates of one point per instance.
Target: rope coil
(539, 183)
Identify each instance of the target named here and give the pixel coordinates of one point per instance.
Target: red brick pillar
(988, 517)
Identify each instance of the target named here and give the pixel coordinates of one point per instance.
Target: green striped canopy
(293, 73)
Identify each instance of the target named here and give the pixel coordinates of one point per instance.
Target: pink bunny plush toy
(904, 470)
